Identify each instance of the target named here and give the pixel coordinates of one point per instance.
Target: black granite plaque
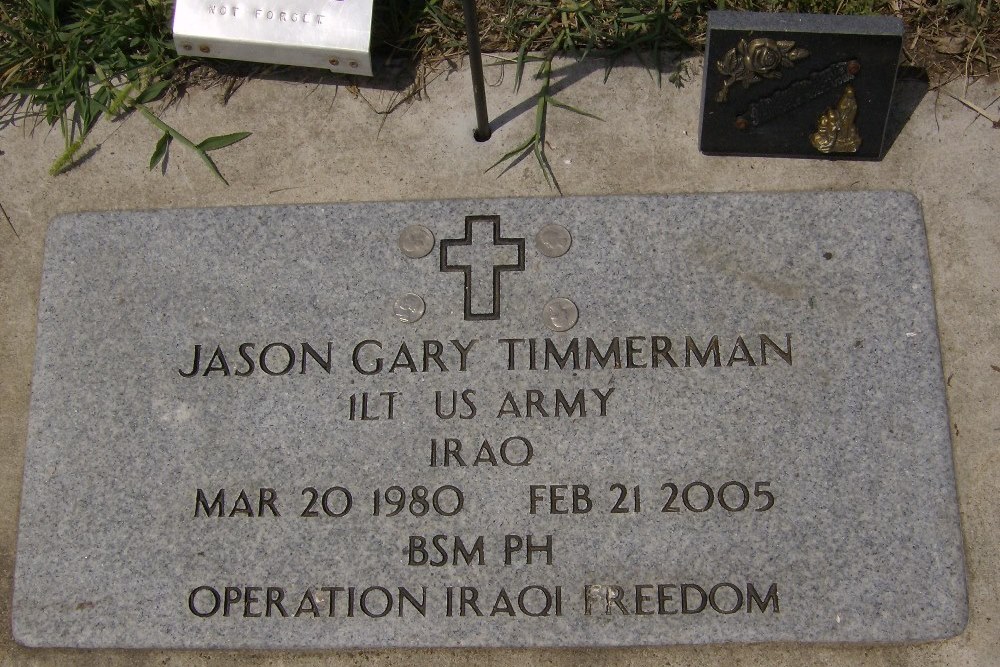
(798, 85)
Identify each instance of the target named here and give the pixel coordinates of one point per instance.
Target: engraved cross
(482, 254)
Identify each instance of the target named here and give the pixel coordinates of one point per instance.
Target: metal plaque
(798, 85)
(331, 34)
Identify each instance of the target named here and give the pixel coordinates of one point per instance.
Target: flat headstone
(580, 421)
(798, 85)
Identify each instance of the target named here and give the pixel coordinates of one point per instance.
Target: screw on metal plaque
(560, 314)
(416, 241)
(476, 256)
(408, 308)
(553, 240)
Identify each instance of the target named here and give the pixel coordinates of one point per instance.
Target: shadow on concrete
(400, 75)
(566, 75)
(392, 74)
(912, 84)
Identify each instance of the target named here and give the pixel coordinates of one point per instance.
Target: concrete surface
(320, 143)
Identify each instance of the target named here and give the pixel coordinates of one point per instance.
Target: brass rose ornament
(761, 58)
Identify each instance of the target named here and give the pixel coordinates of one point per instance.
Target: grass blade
(522, 52)
(221, 141)
(562, 105)
(160, 151)
(520, 149)
(211, 165)
(153, 92)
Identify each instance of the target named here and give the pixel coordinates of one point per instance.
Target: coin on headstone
(416, 241)
(560, 314)
(408, 308)
(553, 240)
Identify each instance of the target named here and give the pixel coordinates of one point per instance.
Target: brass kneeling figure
(835, 132)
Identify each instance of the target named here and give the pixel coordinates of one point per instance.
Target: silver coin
(408, 308)
(553, 240)
(416, 241)
(560, 314)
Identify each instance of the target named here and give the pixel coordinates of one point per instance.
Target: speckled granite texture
(833, 457)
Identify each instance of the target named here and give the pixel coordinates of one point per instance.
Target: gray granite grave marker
(581, 421)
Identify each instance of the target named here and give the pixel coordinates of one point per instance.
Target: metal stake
(483, 131)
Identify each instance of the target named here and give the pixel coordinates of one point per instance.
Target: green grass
(72, 62)
(535, 143)
(646, 28)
